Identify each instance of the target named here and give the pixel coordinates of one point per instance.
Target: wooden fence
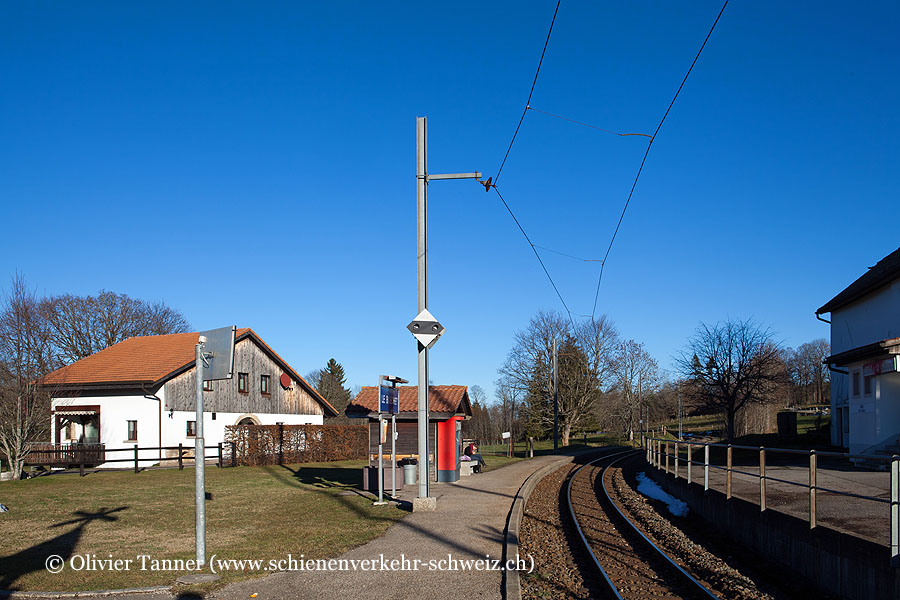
(252, 445)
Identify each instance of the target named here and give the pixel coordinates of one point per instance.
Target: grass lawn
(813, 433)
(255, 513)
(496, 454)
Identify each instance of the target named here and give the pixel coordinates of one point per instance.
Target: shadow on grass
(328, 481)
(35, 558)
(326, 477)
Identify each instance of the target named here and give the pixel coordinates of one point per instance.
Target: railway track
(630, 565)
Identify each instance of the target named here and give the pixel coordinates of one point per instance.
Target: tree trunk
(729, 424)
(567, 430)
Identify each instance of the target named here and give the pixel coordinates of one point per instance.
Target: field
(495, 455)
(254, 513)
(813, 432)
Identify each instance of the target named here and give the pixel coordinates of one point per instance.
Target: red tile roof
(151, 360)
(441, 399)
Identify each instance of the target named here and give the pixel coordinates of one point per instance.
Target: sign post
(213, 359)
(388, 402)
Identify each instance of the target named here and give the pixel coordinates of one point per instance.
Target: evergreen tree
(331, 386)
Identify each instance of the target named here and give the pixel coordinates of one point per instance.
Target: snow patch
(649, 488)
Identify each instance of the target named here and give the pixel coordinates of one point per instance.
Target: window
(192, 428)
(243, 383)
(854, 384)
(264, 384)
(132, 431)
(868, 382)
(207, 386)
(214, 416)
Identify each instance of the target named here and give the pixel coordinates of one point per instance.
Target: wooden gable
(249, 358)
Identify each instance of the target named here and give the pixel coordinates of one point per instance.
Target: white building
(865, 360)
(140, 393)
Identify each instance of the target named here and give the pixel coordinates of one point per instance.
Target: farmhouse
(865, 360)
(140, 393)
(449, 406)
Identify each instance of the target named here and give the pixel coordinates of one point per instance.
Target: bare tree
(83, 325)
(25, 355)
(731, 364)
(636, 376)
(585, 361)
(809, 373)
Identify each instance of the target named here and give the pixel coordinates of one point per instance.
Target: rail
(619, 456)
(657, 453)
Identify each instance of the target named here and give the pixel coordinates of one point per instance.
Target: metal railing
(660, 454)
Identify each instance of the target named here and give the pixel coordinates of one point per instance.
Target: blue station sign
(389, 400)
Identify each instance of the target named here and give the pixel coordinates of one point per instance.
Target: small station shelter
(448, 406)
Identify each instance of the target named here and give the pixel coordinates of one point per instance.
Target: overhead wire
(646, 153)
(549, 114)
(536, 253)
(568, 255)
(530, 93)
(492, 182)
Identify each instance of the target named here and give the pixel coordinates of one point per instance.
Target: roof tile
(441, 398)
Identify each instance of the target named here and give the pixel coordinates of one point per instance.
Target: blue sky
(255, 164)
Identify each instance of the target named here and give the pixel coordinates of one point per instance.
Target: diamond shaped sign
(426, 328)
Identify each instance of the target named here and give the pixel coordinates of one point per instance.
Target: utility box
(370, 478)
(787, 425)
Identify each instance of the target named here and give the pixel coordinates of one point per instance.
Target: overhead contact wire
(534, 249)
(647, 152)
(527, 102)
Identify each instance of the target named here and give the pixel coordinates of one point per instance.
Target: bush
(253, 445)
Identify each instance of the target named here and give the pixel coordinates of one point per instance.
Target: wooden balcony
(65, 455)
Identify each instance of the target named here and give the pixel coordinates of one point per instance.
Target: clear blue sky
(254, 163)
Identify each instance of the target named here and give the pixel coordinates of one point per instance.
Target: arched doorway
(247, 419)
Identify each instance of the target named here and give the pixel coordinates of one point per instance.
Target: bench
(467, 467)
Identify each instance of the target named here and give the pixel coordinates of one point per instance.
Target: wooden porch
(65, 455)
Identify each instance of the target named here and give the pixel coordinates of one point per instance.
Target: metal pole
(199, 463)
(812, 489)
(676, 460)
(706, 468)
(422, 293)
(728, 475)
(555, 399)
(680, 414)
(895, 510)
(393, 453)
(762, 479)
(380, 454)
(690, 461)
(667, 457)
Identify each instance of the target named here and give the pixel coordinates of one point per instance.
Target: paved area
(861, 517)
(468, 525)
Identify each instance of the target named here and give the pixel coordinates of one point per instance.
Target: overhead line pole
(555, 398)
(422, 178)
